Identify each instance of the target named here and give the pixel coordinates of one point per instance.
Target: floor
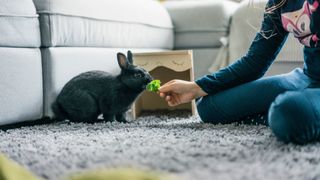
(174, 144)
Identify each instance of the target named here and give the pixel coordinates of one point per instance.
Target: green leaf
(154, 85)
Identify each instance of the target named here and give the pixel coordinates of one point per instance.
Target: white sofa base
(20, 85)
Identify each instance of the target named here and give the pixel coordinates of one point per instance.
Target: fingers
(167, 87)
(163, 95)
(172, 100)
(168, 98)
(175, 100)
(167, 91)
(170, 82)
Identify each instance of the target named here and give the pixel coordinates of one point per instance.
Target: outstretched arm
(262, 52)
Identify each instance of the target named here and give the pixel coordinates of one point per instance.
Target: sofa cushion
(112, 23)
(20, 85)
(200, 23)
(19, 25)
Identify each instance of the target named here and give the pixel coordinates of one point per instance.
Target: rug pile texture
(178, 145)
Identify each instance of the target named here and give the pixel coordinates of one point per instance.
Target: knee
(288, 117)
(207, 111)
(202, 107)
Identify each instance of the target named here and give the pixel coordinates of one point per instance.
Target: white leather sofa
(76, 36)
(44, 43)
(221, 31)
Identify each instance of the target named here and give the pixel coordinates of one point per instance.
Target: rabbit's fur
(92, 93)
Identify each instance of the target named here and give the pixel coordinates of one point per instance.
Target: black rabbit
(92, 93)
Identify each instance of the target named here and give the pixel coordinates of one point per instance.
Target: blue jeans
(291, 102)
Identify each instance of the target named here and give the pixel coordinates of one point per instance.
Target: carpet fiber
(173, 144)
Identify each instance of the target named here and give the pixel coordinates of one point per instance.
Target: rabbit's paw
(108, 117)
(121, 118)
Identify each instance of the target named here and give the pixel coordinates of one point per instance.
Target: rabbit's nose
(149, 79)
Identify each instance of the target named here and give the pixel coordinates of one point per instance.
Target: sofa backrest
(19, 25)
(200, 24)
(111, 23)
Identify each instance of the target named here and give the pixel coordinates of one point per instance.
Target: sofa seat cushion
(112, 23)
(20, 85)
(200, 23)
(19, 25)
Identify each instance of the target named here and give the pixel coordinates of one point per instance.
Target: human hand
(178, 92)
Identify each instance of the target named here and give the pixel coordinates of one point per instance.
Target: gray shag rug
(176, 144)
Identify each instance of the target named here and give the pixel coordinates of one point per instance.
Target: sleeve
(262, 52)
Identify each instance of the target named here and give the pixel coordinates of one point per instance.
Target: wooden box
(164, 66)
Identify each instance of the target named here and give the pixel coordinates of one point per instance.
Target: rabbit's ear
(129, 55)
(122, 60)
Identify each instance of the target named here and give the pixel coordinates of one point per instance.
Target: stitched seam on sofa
(50, 25)
(18, 46)
(110, 20)
(50, 31)
(19, 16)
(202, 31)
(209, 46)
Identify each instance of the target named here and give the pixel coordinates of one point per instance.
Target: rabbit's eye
(138, 75)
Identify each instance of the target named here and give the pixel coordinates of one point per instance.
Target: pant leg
(248, 99)
(295, 116)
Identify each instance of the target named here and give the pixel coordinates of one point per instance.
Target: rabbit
(92, 93)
